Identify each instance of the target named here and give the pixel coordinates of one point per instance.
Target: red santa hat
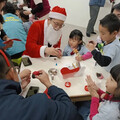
(58, 13)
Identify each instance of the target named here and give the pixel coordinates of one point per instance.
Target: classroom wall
(78, 11)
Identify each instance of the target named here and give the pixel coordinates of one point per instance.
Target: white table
(76, 91)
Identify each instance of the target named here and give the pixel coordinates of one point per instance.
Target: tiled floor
(68, 28)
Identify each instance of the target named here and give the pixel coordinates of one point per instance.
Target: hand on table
(25, 78)
(91, 45)
(44, 78)
(92, 87)
(53, 51)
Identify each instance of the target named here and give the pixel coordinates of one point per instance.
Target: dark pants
(94, 10)
(83, 108)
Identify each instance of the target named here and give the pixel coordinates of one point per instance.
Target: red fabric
(94, 107)
(87, 56)
(46, 8)
(59, 10)
(35, 39)
(100, 92)
(95, 104)
(46, 92)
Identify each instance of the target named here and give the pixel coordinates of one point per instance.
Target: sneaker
(87, 34)
(93, 32)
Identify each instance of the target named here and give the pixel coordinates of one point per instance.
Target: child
(14, 29)
(3, 35)
(109, 27)
(109, 108)
(116, 11)
(76, 42)
(26, 22)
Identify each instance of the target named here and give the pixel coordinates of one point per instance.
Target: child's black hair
(9, 8)
(1, 19)
(111, 22)
(22, 15)
(116, 7)
(77, 34)
(115, 73)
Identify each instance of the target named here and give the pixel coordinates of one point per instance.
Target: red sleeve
(35, 39)
(87, 56)
(94, 107)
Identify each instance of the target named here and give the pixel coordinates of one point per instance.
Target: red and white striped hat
(58, 13)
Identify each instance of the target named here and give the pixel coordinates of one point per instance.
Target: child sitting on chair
(3, 36)
(26, 22)
(109, 106)
(76, 45)
(109, 27)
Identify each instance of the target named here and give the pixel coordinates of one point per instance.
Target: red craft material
(86, 88)
(66, 70)
(67, 84)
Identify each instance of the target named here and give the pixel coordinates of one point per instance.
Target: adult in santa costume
(44, 37)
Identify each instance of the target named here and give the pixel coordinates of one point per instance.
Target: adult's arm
(62, 107)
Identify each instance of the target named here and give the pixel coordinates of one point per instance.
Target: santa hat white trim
(57, 15)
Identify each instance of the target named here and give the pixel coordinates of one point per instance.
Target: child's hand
(78, 58)
(25, 78)
(44, 78)
(91, 83)
(91, 45)
(93, 92)
(103, 95)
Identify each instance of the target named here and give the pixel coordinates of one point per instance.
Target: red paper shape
(67, 84)
(66, 70)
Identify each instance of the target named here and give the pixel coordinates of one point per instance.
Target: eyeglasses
(57, 24)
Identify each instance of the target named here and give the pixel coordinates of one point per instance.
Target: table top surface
(77, 80)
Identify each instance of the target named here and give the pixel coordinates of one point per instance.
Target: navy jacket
(37, 107)
(100, 3)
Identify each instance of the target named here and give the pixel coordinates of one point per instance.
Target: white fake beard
(52, 35)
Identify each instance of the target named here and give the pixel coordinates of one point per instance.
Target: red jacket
(35, 39)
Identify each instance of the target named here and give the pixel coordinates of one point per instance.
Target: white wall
(78, 11)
